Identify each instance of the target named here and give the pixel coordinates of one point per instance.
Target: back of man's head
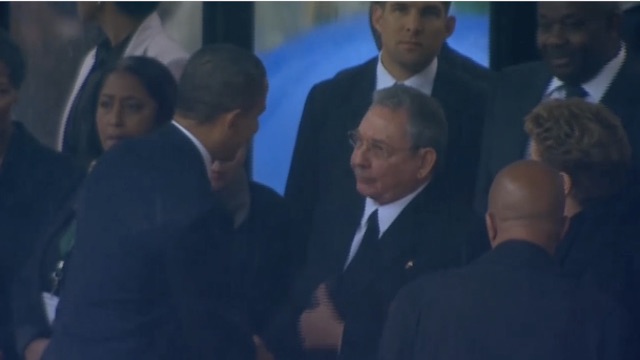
(526, 202)
(218, 79)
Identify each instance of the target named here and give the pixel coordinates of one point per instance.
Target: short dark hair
(11, 56)
(156, 79)
(218, 79)
(137, 9)
(427, 123)
(586, 141)
(374, 32)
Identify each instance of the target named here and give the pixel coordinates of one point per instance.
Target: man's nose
(413, 22)
(359, 156)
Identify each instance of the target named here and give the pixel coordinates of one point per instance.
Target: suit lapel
(362, 94)
(529, 96)
(346, 226)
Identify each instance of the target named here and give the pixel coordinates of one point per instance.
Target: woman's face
(8, 97)
(125, 109)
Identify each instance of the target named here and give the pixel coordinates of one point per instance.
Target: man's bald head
(526, 202)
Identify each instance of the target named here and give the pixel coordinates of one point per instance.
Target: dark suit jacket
(512, 303)
(29, 316)
(34, 183)
(126, 288)
(262, 255)
(517, 91)
(599, 249)
(321, 155)
(465, 64)
(423, 238)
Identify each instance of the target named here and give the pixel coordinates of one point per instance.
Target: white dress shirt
(597, 86)
(387, 214)
(206, 158)
(422, 81)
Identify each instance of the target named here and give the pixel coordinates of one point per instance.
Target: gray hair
(427, 124)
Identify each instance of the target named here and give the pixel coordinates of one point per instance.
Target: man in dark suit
(366, 245)
(594, 160)
(142, 282)
(452, 57)
(412, 35)
(583, 57)
(512, 303)
(34, 184)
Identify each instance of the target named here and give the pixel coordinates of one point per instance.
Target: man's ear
(450, 25)
(492, 230)
(230, 119)
(567, 183)
(377, 10)
(428, 158)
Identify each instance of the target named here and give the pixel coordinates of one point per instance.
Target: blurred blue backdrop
(295, 66)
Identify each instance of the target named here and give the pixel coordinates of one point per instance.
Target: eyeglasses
(376, 149)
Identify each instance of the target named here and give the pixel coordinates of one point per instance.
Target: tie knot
(575, 91)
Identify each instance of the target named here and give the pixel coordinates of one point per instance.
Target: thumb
(322, 293)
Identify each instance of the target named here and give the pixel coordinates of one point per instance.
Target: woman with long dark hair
(136, 96)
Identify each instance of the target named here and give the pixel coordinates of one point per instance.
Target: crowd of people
(434, 209)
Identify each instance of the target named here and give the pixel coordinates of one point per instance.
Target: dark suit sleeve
(56, 198)
(620, 337)
(274, 275)
(361, 336)
(400, 330)
(302, 183)
(212, 317)
(30, 320)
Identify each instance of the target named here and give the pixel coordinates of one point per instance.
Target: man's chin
(564, 72)
(364, 189)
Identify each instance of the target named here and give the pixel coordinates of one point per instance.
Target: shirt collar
(422, 81)
(205, 154)
(598, 85)
(389, 212)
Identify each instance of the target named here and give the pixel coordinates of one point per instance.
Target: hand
(35, 349)
(261, 350)
(321, 327)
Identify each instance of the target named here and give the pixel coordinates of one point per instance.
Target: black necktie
(369, 240)
(364, 261)
(574, 91)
